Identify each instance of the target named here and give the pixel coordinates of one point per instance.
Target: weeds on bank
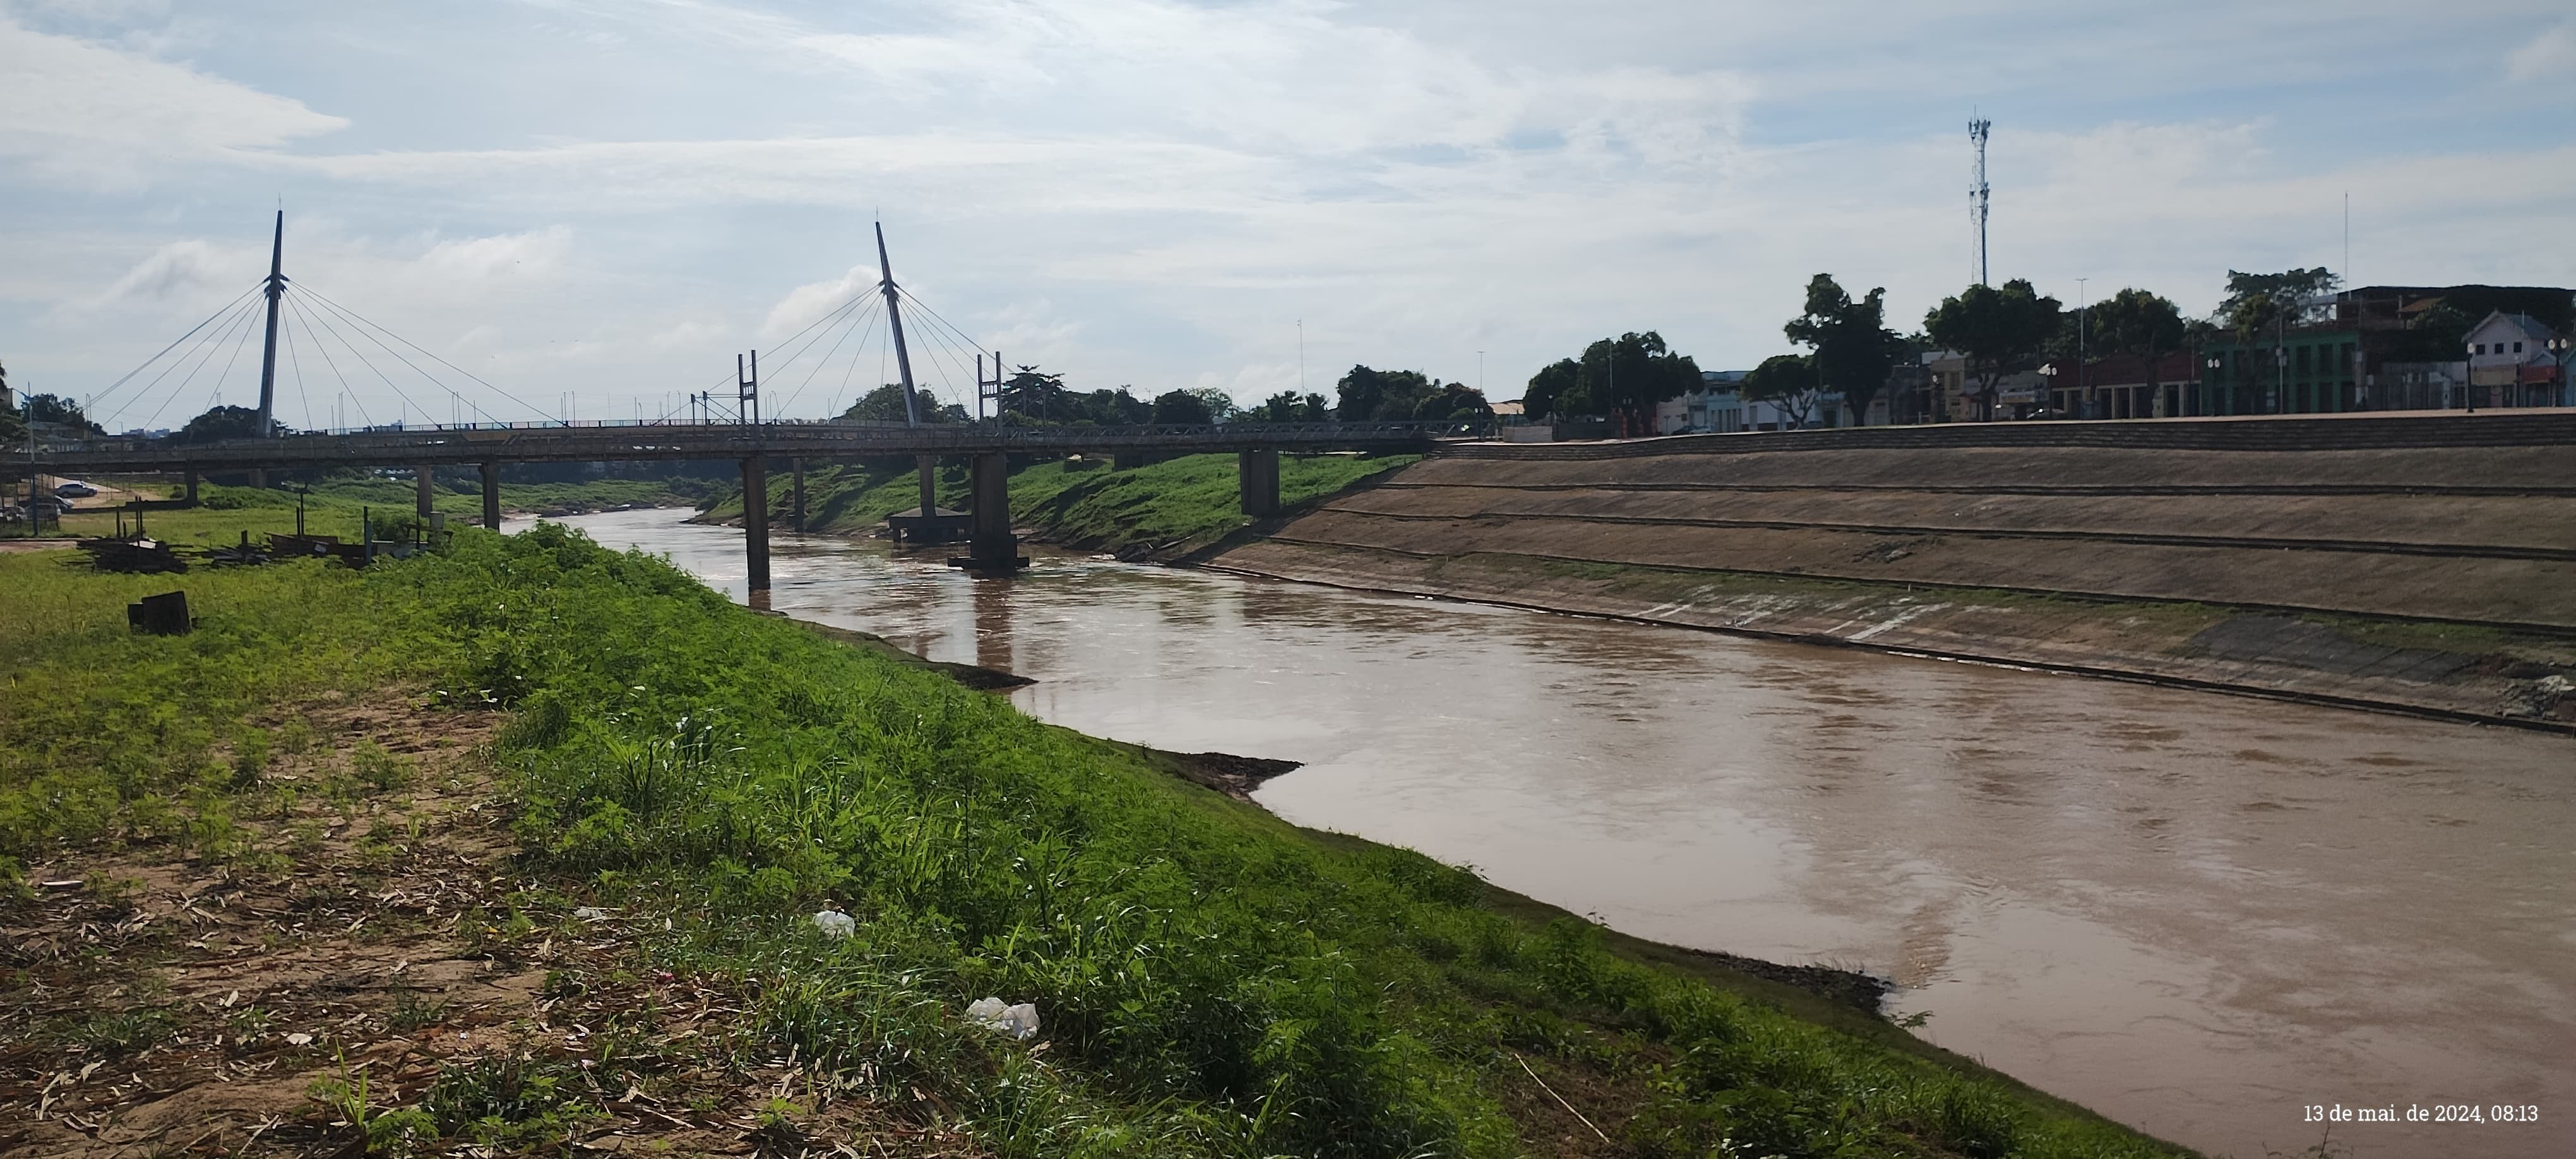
(1211, 981)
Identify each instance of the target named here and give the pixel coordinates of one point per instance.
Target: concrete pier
(491, 495)
(755, 523)
(423, 481)
(991, 548)
(796, 522)
(1256, 474)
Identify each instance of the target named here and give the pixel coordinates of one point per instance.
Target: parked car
(75, 490)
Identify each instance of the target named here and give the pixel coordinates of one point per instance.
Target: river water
(2201, 915)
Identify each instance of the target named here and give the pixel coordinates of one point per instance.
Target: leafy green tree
(1626, 376)
(1998, 331)
(1035, 396)
(1183, 407)
(1454, 402)
(1853, 347)
(1221, 406)
(12, 428)
(1553, 381)
(224, 422)
(2138, 323)
(1116, 408)
(54, 408)
(1288, 406)
(1785, 380)
(1367, 394)
(885, 405)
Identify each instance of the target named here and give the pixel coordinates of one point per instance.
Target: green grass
(335, 506)
(1213, 981)
(1190, 500)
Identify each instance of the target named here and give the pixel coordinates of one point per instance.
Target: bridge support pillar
(755, 523)
(191, 479)
(797, 468)
(1256, 474)
(991, 548)
(927, 467)
(492, 495)
(422, 478)
(1126, 460)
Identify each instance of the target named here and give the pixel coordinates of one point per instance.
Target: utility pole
(275, 288)
(903, 365)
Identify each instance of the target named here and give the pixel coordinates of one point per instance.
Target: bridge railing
(834, 432)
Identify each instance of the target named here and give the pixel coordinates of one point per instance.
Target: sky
(591, 207)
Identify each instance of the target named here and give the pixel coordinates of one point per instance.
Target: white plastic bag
(1020, 1022)
(835, 924)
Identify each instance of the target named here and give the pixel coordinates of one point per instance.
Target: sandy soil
(166, 1004)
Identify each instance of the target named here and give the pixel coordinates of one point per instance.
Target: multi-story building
(2372, 348)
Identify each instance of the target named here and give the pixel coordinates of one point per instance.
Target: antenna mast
(1978, 192)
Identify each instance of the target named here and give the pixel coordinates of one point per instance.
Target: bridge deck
(622, 443)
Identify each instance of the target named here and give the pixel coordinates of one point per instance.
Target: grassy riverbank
(1163, 508)
(335, 507)
(552, 818)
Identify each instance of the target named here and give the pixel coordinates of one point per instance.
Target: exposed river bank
(2197, 914)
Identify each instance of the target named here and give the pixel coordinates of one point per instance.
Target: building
(2371, 348)
(2514, 361)
(1719, 407)
(2120, 386)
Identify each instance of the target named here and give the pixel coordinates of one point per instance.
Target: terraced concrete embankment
(2424, 564)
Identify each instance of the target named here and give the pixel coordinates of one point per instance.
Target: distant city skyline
(613, 199)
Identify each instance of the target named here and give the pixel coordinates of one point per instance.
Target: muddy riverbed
(2196, 913)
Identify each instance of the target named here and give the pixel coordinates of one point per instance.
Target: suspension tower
(1978, 192)
(903, 364)
(275, 289)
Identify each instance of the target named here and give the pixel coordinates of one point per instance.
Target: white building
(2515, 361)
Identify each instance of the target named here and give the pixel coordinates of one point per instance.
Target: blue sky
(599, 203)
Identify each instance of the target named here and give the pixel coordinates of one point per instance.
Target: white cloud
(2548, 54)
(81, 112)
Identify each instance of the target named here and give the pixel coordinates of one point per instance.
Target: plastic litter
(1020, 1021)
(835, 924)
(591, 913)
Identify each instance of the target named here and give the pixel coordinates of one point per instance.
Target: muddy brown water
(2199, 914)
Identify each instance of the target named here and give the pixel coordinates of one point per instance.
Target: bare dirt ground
(363, 948)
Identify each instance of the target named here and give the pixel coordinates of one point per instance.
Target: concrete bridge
(755, 446)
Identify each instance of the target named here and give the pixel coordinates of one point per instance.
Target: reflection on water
(2195, 913)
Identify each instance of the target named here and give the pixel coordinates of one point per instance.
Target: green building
(2304, 370)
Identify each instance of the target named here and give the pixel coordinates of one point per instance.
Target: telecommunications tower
(1978, 193)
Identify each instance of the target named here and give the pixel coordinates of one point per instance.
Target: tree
(1367, 394)
(1853, 347)
(1035, 396)
(1221, 406)
(1553, 381)
(1288, 406)
(225, 422)
(1454, 402)
(2138, 323)
(1998, 331)
(1116, 408)
(1182, 407)
(54, 408)
(885, 405)
(1787, 380)
(12, 428)
(1626, 376)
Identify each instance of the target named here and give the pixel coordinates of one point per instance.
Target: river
(2201, 915)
